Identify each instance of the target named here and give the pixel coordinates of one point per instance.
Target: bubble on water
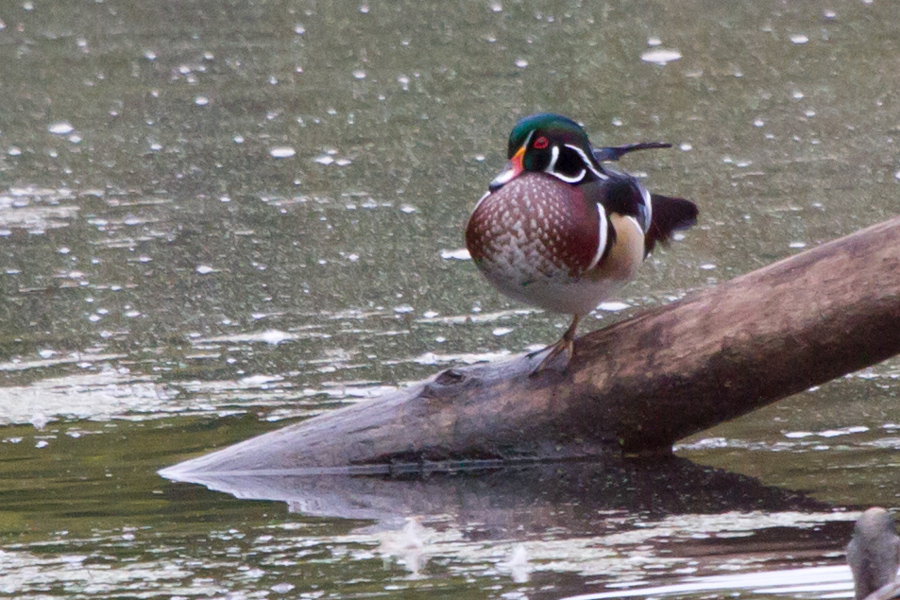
(686, 146)
(42, 444)
(500, 331)
(205, 269)
(403, 309)
(408, 208)
(708, 266)
(273, 337)
(359, 74)
(150, 55)
(796, 94)
(282, 152)
(238, 139)
(521, 63)
(797, 245)
(201, 100)
(61, 128)
(342, 162)
(46, 353)
(324, 159)
(799, 38)
(39, 420)
(660, 56)
(459, 254)
(14, 151)
(613, 306)
(517, 564)
(299, 29)
(830, 433)
(496, 7)
(654, 41)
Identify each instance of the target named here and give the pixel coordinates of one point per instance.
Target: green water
(217, 218)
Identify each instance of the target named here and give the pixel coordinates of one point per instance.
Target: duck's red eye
(541, 143)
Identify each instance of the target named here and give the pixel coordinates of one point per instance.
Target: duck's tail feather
(668, 215)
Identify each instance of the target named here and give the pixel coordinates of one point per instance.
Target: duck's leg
(565, 344)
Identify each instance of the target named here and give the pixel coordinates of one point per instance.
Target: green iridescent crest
(555, 127)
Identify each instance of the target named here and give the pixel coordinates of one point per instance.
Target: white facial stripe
(601, 240)
(527, 139)
(587, 161)
(551, 168)
(554, 156)
(575, 179)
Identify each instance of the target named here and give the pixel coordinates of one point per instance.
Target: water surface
(217, 218)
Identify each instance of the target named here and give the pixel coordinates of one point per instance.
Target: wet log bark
(635, 387)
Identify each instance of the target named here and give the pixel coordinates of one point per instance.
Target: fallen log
(634, 387)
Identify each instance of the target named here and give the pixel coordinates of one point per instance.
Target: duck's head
(551, 144)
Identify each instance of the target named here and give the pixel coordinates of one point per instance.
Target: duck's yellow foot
(565, 344)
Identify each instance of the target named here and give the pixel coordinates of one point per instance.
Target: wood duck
(558, 230)
(874, 552)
